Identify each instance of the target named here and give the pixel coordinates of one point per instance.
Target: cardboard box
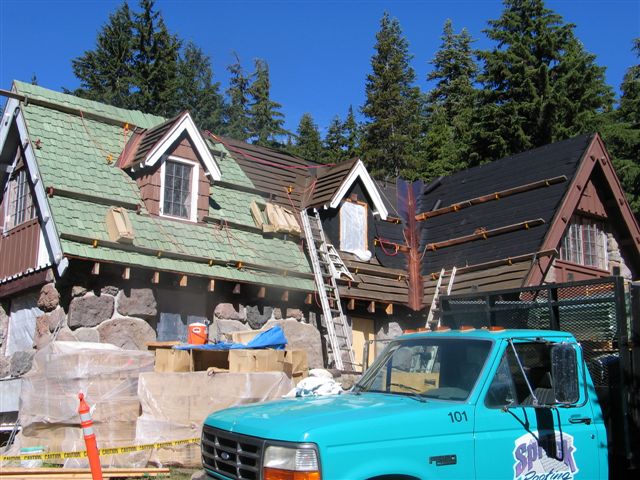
(256, 361)
(245, 336)
(170, 360)
(201, 360)
(296, 364)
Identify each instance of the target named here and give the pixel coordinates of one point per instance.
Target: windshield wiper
(416, 394)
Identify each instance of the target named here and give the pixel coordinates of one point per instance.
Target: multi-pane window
(19, 206)
(585, 243)
(177, 189)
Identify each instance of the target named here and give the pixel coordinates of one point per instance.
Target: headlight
(286, 463)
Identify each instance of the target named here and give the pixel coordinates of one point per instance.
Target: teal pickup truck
(449, 404)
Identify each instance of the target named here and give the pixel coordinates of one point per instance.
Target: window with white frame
(353, 227)
(585, 243)
(179, 191)
(19, 205)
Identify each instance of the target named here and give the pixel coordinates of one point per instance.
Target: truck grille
(235, 456)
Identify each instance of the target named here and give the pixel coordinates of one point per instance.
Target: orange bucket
(197, 334)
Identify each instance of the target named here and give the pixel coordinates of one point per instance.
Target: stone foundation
(127, 313)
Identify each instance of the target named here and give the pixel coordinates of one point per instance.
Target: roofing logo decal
(532, 462)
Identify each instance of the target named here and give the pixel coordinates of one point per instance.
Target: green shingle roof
(206, 241)
(72, 156)
(133, 117)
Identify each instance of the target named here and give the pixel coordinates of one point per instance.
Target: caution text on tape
(103, 451)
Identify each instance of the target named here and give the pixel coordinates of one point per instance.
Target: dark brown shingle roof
(327, 182)
(142, 142)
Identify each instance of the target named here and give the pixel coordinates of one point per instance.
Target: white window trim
(195, 179)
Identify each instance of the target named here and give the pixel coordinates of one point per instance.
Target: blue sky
(319, 52)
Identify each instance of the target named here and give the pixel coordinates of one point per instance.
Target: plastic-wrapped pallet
(174, 406)
(106, 374)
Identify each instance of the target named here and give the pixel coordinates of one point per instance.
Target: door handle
(577, 419)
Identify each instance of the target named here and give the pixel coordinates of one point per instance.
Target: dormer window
(179, 190)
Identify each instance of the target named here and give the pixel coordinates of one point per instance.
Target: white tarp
(22, 323)
(353, 227)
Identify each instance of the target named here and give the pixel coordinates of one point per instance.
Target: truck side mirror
(564, 370)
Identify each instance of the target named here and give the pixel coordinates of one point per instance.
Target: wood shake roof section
(284, 177)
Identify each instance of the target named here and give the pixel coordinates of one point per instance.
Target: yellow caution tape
(103, 451)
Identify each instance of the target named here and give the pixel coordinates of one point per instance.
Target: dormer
(350, 200)
(173, 168)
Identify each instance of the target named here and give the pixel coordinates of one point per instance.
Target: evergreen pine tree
(540, 85)
(105, 73)
(454, 71)
(450, 106)
(630, 99)
(392, 104)
(266, 121)
(237, 112)
(196, 91)
(351, 132)
(308, 144)
(334, 141)
(621, 132)
(155, 62)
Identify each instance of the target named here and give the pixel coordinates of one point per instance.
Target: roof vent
(119, 225)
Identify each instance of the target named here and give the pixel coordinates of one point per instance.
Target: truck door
(519, 434)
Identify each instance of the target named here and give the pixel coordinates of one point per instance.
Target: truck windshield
(440, 368)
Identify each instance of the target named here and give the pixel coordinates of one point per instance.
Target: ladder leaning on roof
(324, 265)
(435, 306)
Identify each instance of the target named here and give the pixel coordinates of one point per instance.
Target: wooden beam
(484, 234)
(126, 273)
(183, 280)
(351, 304)
(389, 309)
(491, 196)
(155, 279)
(396, 247)
(236, 289)
(95, 270)
(308, 300)
(372, 307)
(212, 285)
(285, 296)
(262, 292)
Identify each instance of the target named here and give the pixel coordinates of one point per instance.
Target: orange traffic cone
(89, 438)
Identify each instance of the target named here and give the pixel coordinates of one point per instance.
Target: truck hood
(337, 418)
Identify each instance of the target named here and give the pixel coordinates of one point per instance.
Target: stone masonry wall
(127, 317)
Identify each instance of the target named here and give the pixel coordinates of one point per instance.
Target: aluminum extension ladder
(324, 266)
(436, 295)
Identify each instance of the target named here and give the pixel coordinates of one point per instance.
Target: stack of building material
(174, 406)
(106, 374)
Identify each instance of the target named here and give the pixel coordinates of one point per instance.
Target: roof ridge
(519, 155)
(68, 100)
